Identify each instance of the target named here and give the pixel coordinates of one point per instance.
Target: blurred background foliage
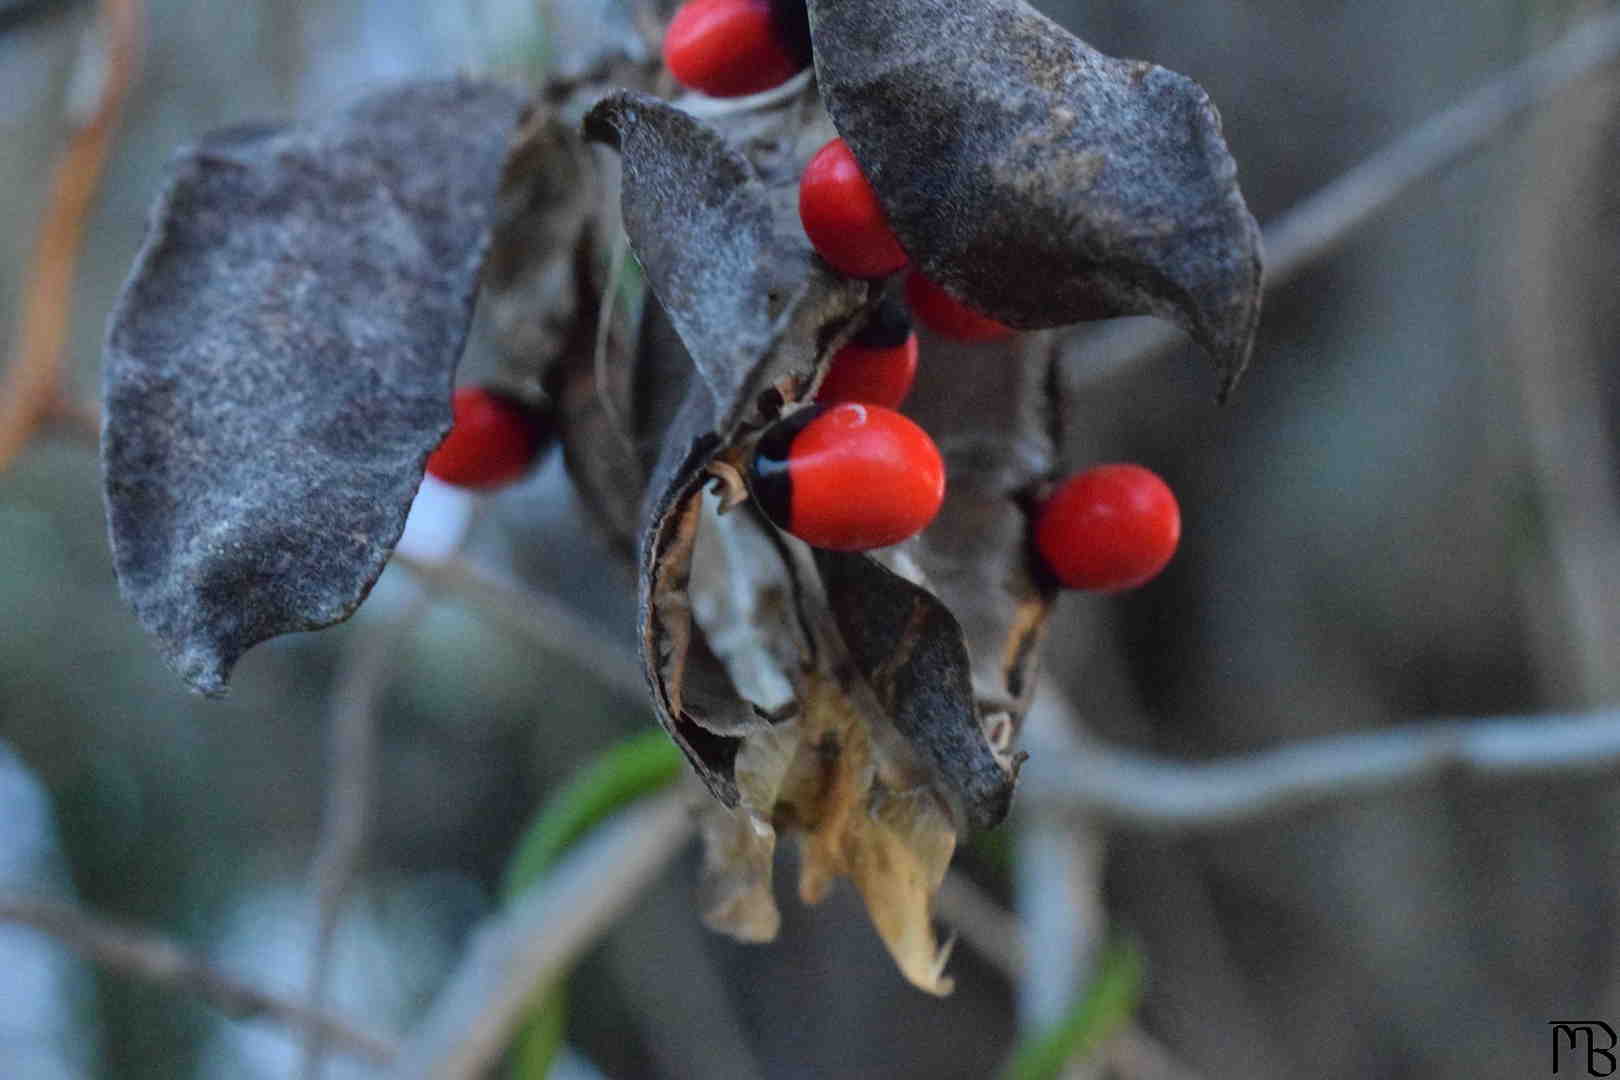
(1408, 511)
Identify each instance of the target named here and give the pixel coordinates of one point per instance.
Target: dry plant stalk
(32, 381)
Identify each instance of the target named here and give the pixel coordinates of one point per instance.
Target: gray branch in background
(345, 819)
(1128, 790)
(162, 962)
(1058, 881)
(1138, 791)
(1315, 227)
(540, 936)
(543, 620)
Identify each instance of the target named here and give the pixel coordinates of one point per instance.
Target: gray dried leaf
(759, 318)
(1037, 179)
(279, 364)
(993, 410)
(700, 221)
(534, 281)
(909, 648)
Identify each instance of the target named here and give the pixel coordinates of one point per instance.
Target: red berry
(848, 477)
(879, 363)
(947, 316)
(842, 216)
(730, 48)
(1109, 528)
(492, 442)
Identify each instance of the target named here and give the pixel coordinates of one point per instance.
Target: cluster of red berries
(849, 473)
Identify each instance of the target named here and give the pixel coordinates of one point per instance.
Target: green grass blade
(1106, 1006)
(635, 767)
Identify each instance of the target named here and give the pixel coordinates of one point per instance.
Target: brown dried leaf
(740, 844)
(865, 818)
(532, 293)
(1038, 179)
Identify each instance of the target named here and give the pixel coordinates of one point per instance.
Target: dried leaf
(909, 841)
(732, 282)
(278, 366)
(532, 294)
(759, 319)
(1038, 179)
(909, 648)
(739, 845)
(866, 818)
(735, 889)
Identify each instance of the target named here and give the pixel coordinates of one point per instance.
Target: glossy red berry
(842, 216)
(878, 365)
(1109, 528)
(730, 48)
(848, 477)
(947, 316)
(493, 440)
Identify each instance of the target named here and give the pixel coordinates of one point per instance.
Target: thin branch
(543, 620)
(996, 934)
(1058, 884)
(345, 819)
(988, 928)
(76, 420)
(33, 377)
(1133, 1054)
(1136, 791)
(1317, 226)
(541, 935)
(160, 961)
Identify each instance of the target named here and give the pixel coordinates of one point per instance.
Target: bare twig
(158, 960)
(1558, 351)
(996, 934)
(988, 928)
(544, 620)
(78, 420)
(33, 376)
(534, 941)
(1138, 791)
(1133, 1054)
(345, 819)
(1318, 225)
(1059, 884)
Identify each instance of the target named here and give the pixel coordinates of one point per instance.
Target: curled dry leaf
(758, 318)
(278, 366)
(1037, 179)
(869, 816)
(909, 649)
(537, 274)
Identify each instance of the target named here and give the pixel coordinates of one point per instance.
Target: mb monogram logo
(1598, 1039)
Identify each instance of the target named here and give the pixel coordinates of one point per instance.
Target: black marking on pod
(889, 326)
(770, 473)
(791, 19)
